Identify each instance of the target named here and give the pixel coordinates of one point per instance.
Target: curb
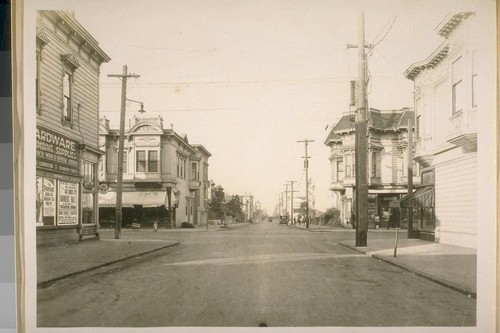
(437, 280)
(427, 276)
(47, 283)
(321, 230)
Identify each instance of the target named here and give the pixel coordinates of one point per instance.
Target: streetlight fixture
(141, 110)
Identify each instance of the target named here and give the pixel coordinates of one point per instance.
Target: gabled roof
(378, 120)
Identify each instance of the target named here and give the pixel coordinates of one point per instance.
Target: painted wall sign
(56, 152)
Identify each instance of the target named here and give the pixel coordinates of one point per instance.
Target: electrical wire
(385, 35)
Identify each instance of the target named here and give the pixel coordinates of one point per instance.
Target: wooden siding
(456, 201)
(85, 90)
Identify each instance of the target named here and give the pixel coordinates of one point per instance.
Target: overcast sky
(247, 79)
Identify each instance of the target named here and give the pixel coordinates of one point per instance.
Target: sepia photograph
(213, 165)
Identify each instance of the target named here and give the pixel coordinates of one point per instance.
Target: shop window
(88, 209)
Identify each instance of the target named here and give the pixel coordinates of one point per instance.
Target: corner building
(449, 95)
(387, 165)
(68, 61)
(165, 178)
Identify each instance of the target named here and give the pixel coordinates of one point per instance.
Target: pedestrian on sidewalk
(155, 226)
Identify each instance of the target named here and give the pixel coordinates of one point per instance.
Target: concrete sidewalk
(61, 261)
(448, 265)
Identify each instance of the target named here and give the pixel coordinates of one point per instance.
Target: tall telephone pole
(410, 176)
(118, 220)
(306, 166)
(286, 199)
(361, 142)
(291, 200)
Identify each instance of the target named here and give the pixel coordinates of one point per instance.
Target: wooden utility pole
(291, 200)
(410, 175)
(119, 177)
(286, 199)
(361, 142)
(306, 166)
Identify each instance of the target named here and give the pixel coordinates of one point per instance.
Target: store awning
(422, 197)
(129, 199)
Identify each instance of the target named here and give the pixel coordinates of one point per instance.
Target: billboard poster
(49, 197)
(67, 203)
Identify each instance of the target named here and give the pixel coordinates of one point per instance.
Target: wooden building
(68, 61)
(448, 99)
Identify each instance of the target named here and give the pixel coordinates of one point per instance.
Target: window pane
(67, 96)
(125, 160)
(141, 161)
(193, 171)
(152, 161)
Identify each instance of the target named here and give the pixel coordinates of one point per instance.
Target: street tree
(216, 203)
(233, 207)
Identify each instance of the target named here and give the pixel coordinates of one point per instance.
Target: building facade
(165, 178)
(387, 164)
(68, 61)
(447, 103)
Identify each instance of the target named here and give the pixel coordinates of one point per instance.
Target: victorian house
(447, 104)
(165, 178)
(68, 61)
(387, 164)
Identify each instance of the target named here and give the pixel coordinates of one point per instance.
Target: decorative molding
(70, 59)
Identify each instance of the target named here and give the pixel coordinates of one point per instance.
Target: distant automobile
(283, 219)
(269, 219)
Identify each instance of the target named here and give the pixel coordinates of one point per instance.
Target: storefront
(143, 207)
(66, 202)
(421, 205)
